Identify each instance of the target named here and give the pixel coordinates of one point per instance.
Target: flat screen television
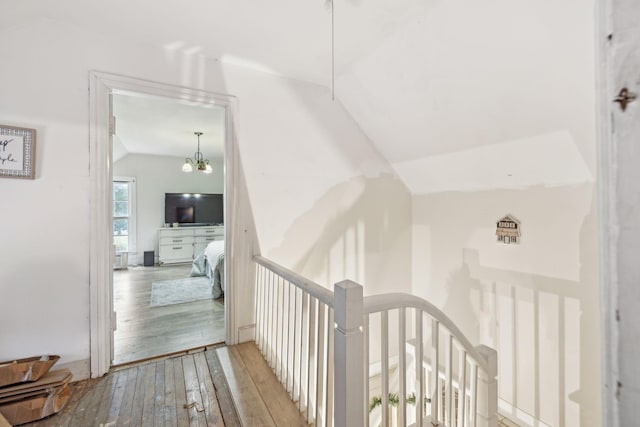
(193, 209)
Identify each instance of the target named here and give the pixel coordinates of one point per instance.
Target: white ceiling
(422, 78)
(165, 127)
(288, 37)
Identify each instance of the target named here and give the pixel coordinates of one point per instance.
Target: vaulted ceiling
(288, 37)
(428, 81)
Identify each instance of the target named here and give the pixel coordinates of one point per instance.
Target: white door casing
(619, 208)
(101, 86)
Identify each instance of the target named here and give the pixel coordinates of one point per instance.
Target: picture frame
(17, 152)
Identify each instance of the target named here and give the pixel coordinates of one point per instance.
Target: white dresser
(183, 244)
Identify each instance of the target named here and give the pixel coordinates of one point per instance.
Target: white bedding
(214, 254)
(210, 263)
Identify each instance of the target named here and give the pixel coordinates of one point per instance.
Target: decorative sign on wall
(17, 152)
(508, 230)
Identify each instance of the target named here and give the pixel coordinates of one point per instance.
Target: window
(124, 224)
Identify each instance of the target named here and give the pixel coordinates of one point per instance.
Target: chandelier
(199, 162)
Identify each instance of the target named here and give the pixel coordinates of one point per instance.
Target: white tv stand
(183, 244)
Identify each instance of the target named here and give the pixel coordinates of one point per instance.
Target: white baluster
(311, 383)
(462, 384)
(418, 362)
(272, 314)
(280, 332)
(304, 353)
(436, 413)
(384, 323)
(473, 390)
(263, 314)
(320, 358)
(329, 403)
(402, 362)
(365, 385)
(296, 344)
(290, 338)
(449, 380)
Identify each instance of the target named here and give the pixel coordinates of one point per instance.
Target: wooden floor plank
(182, 414)
(207, 391)
(124, 414)
(105, 402)
(197, 416)
(225, 400)
(149, 405)
(277, 400)
(248, 402)
(158, 396)
(116, 400)
(90, 404)
(169, 409)
(138, 396)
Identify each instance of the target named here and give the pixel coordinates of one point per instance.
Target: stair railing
(450, 382)
(317, 342)
(294, 333)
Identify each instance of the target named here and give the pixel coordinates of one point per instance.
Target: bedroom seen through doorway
(168, 233)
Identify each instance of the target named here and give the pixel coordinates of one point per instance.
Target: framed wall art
(17, 152)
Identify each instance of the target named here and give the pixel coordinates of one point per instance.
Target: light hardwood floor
(212, 386)
(186, 390)
(144, 332)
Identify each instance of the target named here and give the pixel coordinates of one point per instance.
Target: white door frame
(618, 56)
(101, 86)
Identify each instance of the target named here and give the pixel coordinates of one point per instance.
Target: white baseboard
(247, 333)
(80, 369)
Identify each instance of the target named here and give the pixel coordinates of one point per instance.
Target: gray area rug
(167, 292)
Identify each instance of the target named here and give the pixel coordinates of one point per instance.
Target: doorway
(103, 317)
(168, 220)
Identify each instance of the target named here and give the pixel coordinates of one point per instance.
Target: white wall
(296, 145)
(156, 175)
(536, 303)
(486, 109)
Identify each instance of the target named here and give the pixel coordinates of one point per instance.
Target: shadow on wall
(460, 287)
(358, 230)
(546, 329)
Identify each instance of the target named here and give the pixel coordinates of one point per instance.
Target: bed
(210, 263)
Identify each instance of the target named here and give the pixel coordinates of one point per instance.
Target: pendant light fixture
(199, 162)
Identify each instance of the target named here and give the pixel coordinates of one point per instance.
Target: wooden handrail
(312, 288)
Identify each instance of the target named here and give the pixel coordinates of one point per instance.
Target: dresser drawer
(207, 239)
(176, 252)
(175, 232)
(176, 240)
(213, 231)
